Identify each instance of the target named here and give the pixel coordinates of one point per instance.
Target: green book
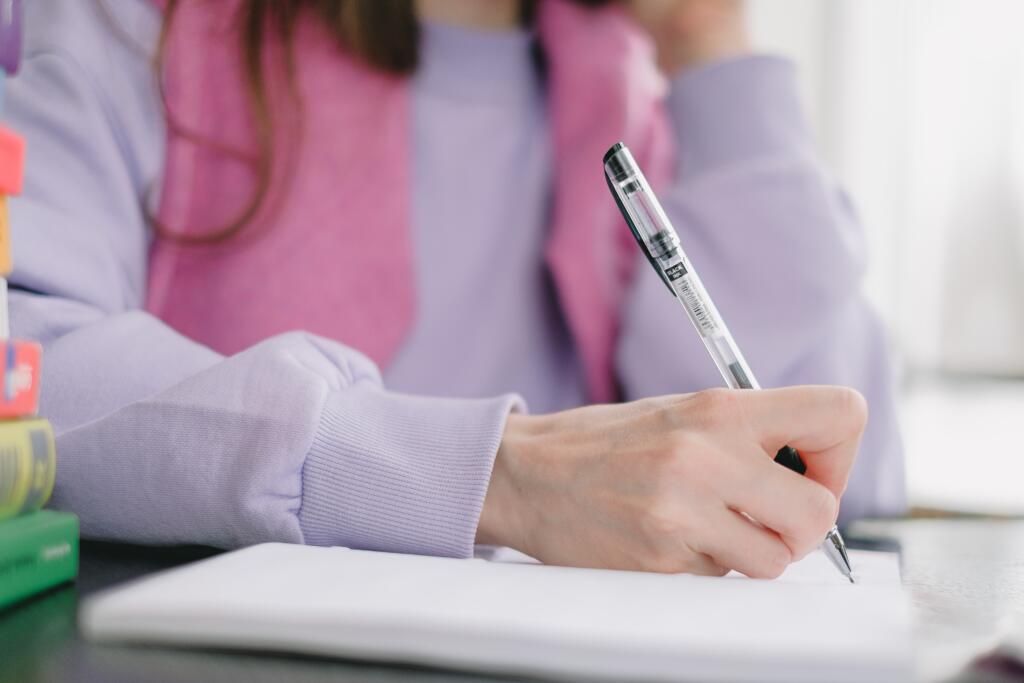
(37, 550)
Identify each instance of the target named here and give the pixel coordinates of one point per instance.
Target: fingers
(738, 543)
(683, 483)
(824, 424)
(797, 508)
(809, 417)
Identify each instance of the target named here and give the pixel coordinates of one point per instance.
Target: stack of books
(38, 548)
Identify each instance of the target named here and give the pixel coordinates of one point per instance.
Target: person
(302, 281)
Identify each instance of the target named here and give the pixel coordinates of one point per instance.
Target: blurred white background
(919, 110)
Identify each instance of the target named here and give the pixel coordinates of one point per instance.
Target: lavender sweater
(302, 439)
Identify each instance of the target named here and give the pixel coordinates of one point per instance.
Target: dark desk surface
(963, 577)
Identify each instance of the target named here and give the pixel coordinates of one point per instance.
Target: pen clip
(636, 234)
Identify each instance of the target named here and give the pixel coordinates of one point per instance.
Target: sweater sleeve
(160, 439)
(782, 254)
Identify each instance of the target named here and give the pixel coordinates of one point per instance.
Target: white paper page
(809, 625)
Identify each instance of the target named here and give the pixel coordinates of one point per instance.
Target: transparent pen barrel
(705, 318)
(654, 231)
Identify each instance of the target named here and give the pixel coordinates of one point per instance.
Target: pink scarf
(330, 252)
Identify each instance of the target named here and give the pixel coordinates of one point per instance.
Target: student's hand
(673, 484)
(692, 32)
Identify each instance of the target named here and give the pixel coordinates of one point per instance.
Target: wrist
(503, 518)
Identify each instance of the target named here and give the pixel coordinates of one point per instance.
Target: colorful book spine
(19, 378)
(12, 161)
(38, 548)
(12, 145)
(28, 463)
(27, 458)
(37, 551)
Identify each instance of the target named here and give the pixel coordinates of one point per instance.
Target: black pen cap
(613, 163)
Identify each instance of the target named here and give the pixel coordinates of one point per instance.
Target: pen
(660, 243)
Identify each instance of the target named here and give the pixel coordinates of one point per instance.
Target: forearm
(160, 440)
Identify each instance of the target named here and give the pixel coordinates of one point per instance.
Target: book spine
(38, 548)
(12, 161)
(28, 465)
(6, 264)
(27, 448)
(20, 363)
(41, 554)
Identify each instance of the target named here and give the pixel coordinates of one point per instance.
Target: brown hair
(382, 33)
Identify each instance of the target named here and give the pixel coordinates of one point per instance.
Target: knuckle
(851, 404)
(666, 411)
(717, 570)
(664, 563)
(660, 521)
(823, 508)
(774, 562)
(681, 558)
(679, 444)
(681, 456)
(659, 467)
(717, 406)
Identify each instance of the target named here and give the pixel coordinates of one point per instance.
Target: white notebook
(524, 618)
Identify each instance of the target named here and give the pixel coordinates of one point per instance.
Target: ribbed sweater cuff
(734, 111)
(400, 473)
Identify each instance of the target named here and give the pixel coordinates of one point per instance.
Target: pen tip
(851, 578)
